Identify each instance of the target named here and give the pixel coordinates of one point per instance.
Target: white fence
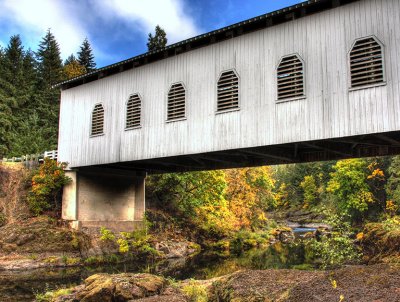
(29, 159)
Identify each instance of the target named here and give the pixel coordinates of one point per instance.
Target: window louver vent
(97, 120)
(290, 75)
(176, 102)
(366, 63)
(228, 91)
(133, 112)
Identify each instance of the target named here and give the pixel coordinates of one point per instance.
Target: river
(22, 285)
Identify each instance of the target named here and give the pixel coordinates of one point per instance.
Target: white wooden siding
(329, 110)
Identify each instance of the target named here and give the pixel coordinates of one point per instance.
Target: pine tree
(159, 41)
(86, 57)
(49, 59)
(5, 110)
(47, 98)
(12, 90)
(70, 59)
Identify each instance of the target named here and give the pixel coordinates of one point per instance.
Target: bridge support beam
(98, 197)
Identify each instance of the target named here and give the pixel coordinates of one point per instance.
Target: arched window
(366, 62)
(97, 126)
(176, 102)
(228, 91)
(290, 78)
(133, 112)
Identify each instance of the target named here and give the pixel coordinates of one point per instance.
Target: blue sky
(118, 29)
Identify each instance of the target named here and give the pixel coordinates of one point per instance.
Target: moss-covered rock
(120, 287)
(380, 244)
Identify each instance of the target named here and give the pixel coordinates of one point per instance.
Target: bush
(245, 240)
(47, 183)
(195, 292)
(106, 234)
(333, 250)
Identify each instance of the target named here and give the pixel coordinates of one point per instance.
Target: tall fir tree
(5, 109)
(50, 72)
(86, 57)
(15, 90)
(70, 59)
(49, 61)
(158, 41)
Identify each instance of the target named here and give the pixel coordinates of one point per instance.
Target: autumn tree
(349, 185)
(72, 67)
(158, 41)
(310, 191)
(197, 198)
(86, 57)
(250, 194)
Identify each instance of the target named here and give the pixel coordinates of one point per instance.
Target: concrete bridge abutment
(99, 197)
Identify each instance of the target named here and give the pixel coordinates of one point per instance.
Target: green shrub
(245, 240)
(391, 223)
(93, 260)
(111, 258)
(49, 296)
(333, 250)
(123, 245)
(195, 292)
(75, 243)
(47, 183)
(106, 234)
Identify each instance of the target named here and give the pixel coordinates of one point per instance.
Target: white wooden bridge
(316, 81)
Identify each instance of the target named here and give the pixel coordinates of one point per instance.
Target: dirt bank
(13, 189)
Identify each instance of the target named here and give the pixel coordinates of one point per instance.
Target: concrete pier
(98, 197)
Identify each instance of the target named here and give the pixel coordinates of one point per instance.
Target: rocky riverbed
(352, 283)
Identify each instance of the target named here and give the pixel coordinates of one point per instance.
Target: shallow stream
(22, 285)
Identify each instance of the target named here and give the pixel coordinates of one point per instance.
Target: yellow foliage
(73, 70)
(391, 206)
(249, 194)
(377, 174)
(360, 236)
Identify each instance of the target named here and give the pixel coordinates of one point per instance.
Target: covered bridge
(316, 81)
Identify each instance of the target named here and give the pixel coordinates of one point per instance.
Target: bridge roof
(257, 23)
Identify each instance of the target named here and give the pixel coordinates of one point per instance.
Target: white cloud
(169, 14)
(33, 18)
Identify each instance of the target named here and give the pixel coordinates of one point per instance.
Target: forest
(28, 101)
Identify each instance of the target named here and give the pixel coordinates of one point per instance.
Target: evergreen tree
(49, 59)
(159, 41)
(14, 91)
(70, 59)
(86, 57)
(5, 110)
(50, 72)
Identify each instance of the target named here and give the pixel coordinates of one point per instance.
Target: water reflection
(21, 285)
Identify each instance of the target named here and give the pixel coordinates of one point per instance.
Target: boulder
(176, 249)
(120, 287)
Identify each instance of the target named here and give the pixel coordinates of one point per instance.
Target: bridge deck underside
(378, 144)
